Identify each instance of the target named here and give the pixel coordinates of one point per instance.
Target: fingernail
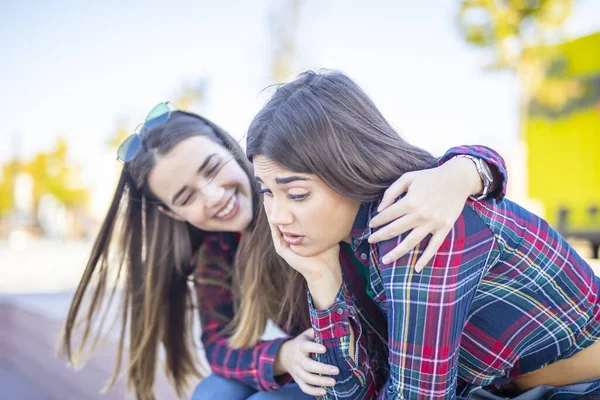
(371, 239)
(322, 393)
(385, 260)
(322, 349)
(331, 383)
(334, 371)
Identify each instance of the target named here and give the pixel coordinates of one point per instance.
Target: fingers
(392, 212)
(308, 377)
(275, 234)
(395, 190)
(280, 245)
(395, 229)
(410, 242)
(315, 380)
(310, 390)
(432, 248)
(312, 347)
(316, 367)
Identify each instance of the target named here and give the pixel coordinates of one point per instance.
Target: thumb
(276, 237)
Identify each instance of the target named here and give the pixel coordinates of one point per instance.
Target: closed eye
(212, 170)
(187, 199)
(298, 197)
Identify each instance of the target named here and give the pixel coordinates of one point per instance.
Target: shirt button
(340, 311)
(363, 256)
(274, 387)
(356, 241)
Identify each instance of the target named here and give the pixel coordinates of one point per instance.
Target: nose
(278, 214)
(212, 194)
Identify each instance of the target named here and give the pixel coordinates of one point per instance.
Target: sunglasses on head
(132, 145)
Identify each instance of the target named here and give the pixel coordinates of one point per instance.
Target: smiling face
(200, 182)
(310, 215)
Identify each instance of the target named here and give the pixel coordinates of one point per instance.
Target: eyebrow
(283, 181)
(204, 164)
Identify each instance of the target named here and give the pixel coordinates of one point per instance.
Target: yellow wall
(564, 151)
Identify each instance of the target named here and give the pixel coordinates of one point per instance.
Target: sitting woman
(505, 299)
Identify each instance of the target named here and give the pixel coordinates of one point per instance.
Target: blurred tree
(52, 173)
(510, 27)
(121, 133)
(521, 36)
(283, 24)
(191, 95)
(8, 172)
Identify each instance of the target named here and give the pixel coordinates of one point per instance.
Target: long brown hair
(153, 257)
(267, 288)
(325, 124)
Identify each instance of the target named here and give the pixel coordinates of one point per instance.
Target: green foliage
(509, 27)
(7, 176)
(51, 172)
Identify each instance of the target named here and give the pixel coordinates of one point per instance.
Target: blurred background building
(520, 76)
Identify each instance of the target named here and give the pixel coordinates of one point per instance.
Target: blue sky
(75, 69)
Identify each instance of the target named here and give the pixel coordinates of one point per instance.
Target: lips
(292, 239)
(230, 208)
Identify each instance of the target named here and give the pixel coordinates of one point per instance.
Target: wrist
(469, 173)
(279, 366)
(324, 290)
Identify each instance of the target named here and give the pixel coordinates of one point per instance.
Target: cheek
(194, 215)
(233, 173)
(316, 216)
(331, 219)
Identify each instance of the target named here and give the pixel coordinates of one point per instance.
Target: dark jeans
(215, 387)
(589, 390)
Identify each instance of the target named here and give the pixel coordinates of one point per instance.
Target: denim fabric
(589, 390)
(215, 387)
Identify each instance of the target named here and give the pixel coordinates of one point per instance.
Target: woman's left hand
(313, 268)
(433, 202)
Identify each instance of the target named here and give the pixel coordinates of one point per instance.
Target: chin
(307, 250)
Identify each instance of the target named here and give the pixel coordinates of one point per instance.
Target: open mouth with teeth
(229, 210)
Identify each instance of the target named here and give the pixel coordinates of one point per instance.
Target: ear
(170, 213)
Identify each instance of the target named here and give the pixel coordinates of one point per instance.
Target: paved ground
(36, 284)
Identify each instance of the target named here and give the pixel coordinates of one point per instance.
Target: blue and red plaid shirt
(254, 366)
(505, 295)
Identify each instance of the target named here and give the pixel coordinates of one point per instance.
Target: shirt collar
(361, 229)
